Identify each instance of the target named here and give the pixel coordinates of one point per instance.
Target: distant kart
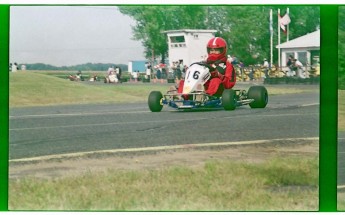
(194, 96)
(111, 78)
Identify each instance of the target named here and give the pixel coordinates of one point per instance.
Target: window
(177, 39)
(302, 57)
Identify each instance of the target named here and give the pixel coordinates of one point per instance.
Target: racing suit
(223, 76)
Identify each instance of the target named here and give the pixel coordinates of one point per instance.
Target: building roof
(306, 41)
(191, 31)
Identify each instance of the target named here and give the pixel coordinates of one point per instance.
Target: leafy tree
(82, 67)
(248, 32)
(245, 28)
(153, 20)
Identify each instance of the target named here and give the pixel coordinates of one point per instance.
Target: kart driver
(223, 74)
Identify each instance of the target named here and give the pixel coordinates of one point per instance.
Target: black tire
(260, 96)
(229, 99)
(154, 101)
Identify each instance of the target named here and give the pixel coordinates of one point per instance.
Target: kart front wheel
(155, 101)
(229, 99)
(260, 96)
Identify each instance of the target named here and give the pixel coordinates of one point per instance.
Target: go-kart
(111, 78)
(193, 95)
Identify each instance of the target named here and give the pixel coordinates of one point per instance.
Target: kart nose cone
(186, 89)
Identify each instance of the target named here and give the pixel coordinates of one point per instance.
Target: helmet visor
(215, 50)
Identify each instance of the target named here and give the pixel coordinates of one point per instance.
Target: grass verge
(279, 184)
(36, 89)
(39, 89)
(341, 201)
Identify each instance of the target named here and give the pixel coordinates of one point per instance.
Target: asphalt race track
(79, 128)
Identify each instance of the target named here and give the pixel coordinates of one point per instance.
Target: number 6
(196, 75)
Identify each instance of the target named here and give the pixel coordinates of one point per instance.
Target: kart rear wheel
(229, 99)
(155, 101)
(260, 96)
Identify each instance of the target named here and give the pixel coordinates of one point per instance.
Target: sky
(71, 35)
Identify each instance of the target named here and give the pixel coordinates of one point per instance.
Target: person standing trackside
(266, 68)
(289, 64)
(118, 73)
(148, 69)
(14, 67)
(299, 69)
(241, 65)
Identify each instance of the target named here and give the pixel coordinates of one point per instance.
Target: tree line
(245, 28)
(81, 67)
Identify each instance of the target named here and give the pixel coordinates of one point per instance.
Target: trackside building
(305, 48)
(188, 45)
(137, 65)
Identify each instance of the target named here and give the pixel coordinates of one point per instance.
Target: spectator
(251, 73)
(164, 74)
(174, 68)
(118, 73)
(290, 64)
(241, 65)
(14, 67)
(135, 76)
(234, 60)
(229, 58)
(178, 71)
(79, 76)
(148, 69)
(299, 69)
(111, 71)
(266, 68)
(159, 74)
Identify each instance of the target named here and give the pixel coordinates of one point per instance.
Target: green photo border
(4, 85)
(328, 107)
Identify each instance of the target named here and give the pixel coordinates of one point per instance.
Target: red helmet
(216, 43)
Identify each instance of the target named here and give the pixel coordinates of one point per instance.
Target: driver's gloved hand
(216, 74)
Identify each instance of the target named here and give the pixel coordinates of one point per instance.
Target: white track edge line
(184, 146)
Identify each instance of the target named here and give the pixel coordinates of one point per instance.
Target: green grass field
(35, 89)
(289, 183)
